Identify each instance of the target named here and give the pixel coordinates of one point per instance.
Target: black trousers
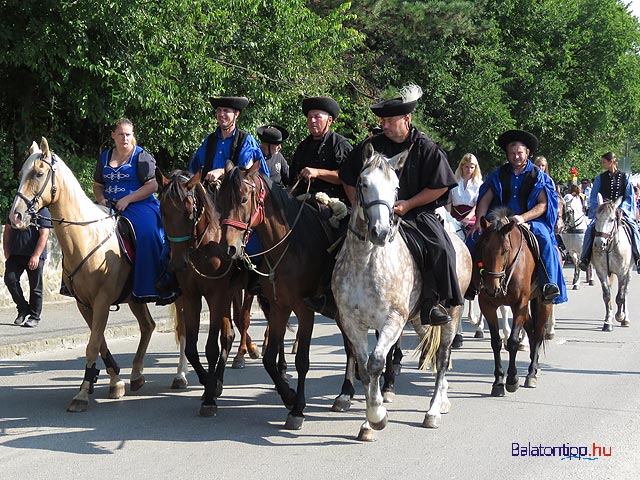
(15, 266)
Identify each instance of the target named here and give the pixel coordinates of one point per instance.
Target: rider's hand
(401, 207)
(214, 174)
(517, 219)
(309, 173)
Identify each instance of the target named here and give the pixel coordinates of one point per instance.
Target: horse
(508, 276)
(575, 225)
(93, 268)
(192, 227)
(377, 284)
(612, 255)
(295, 256)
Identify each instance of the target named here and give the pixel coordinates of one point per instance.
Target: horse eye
(245, 199)
(39, 174)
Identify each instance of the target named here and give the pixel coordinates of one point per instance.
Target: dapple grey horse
(377, 284)
(575, 224)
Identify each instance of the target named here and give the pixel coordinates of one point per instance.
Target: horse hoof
(341, 404)
(431, 421)
(238, 363)
(77, 406)
(530, 382)
(549, 336)
(497, 391)
(294, 423)
(512, 387)
(397, 369)
(576, 287)
(381, 424)
(607, 327)
(478, 334)
(117, 391)
(624, 323)
(208, 410)
(388, 397)
(254, 353)
(179, 384)
(137, 384)
(366, 435)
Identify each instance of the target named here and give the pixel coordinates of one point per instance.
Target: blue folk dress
(152, 253)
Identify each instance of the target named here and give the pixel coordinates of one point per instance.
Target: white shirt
(465, 196)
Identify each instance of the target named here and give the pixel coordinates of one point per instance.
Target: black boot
(433, 315)
(324, 304)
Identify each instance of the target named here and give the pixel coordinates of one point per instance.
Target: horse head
(607, 221)
(376, 193)
(240, 204)
(38, 186)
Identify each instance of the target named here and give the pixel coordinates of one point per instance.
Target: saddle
(532, 241)
(127, 240)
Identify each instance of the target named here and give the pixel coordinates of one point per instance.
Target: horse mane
(378, 160)
(498, 217)
(175, 188)
(606, 205)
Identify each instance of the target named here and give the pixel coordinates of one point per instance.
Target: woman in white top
(465, 195)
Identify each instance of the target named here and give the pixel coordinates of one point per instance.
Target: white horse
(612, 255)
(377, 284)
(575, 224)
(454, 226)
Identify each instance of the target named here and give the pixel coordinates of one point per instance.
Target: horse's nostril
(231, 251)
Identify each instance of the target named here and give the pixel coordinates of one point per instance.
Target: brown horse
(193, 230)
(295, 256)
(93, 264)
(508, 276)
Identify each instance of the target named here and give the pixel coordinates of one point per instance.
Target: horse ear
(34, 148)
(600, 199)
(397, 162)
(253, 169)
(44, 146)
(228, 166)
(368, 151)
(618, 202)
(485, 223)
(193, 181)
(161, 180)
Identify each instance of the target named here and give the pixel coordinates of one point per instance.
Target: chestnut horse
(93, 264)
(193, 230)
(508, 276)
(295, 256)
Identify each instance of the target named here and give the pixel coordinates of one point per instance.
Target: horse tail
(428, 348)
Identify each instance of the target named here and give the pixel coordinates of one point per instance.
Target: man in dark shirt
(26, 250)
(319, 156)
(271, 138)
(425, 181)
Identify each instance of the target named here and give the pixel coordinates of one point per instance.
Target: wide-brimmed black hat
(326, 104)
(393, 107)
(272, 134)
(237, 103)
(510, 136)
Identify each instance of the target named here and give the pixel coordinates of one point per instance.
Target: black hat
(326, 104)
(511, 136)
(402, 105)
(237, 103)
(272, 134)
(375, 130)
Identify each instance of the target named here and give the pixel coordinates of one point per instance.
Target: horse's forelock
(375, 161)
(605, 207)
(497, 217)
(232, 180)
(176, 186)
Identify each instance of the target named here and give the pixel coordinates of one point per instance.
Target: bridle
(51, 175)
(608, 236)
(194, 215)
(502, 274)
(257, 213)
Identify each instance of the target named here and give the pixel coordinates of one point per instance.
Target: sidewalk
(62, 326)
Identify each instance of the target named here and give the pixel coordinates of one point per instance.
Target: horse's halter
(366, 206)
(194, 215)
(51, 175)
(257, 214)
(502, 274)
(612, 234)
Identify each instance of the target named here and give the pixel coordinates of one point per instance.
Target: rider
(611, 185)
(425, 181)
(271, 138)
(530, 193)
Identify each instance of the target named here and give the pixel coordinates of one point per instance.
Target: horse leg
(180, 380)
(520, 318)
(342, 402)
(147, 326)
(242, 319)
(550, 331)
(480, 327)
(590, 275)
(389, 376)
(192, 307)
(471, 316)
(576, 274)
(305, 316)
(536, 332)
(506, 326)
(96, 318)
(622, 316)
(490, 313)
(606, 297)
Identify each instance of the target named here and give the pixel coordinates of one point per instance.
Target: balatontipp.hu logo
(566, 451)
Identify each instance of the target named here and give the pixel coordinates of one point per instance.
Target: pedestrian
(465, 195)
(271, 138)
(319, 156)
(125, 178)
(26, 250)
(612, 185)
(227, 142)
(425, 181)
(531, 195)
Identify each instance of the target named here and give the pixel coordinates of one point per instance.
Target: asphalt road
(587, 402)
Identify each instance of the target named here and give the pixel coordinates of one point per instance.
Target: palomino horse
(295, 256)
(575, 225)
(93, 266)
(509, 277)
(612, 255)
(377, 285)
(193, 230)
